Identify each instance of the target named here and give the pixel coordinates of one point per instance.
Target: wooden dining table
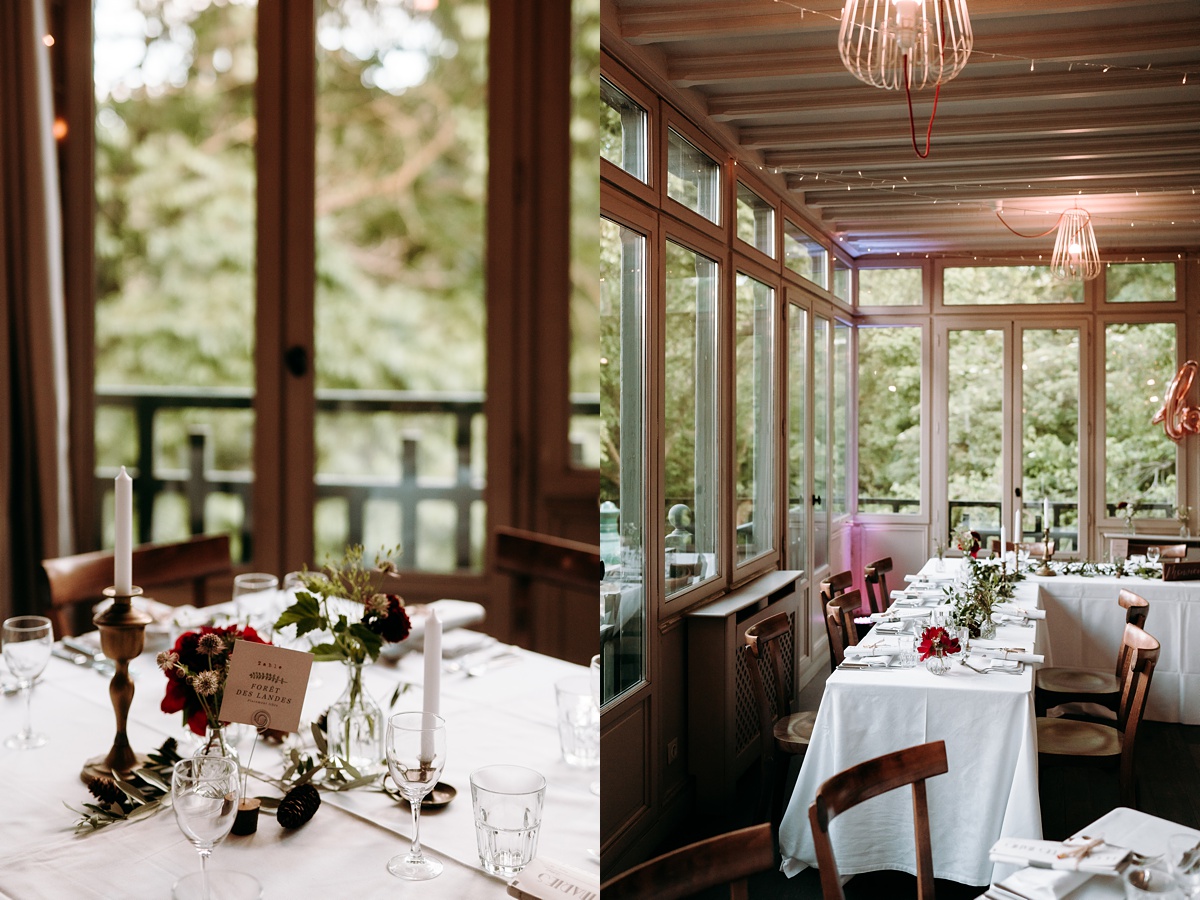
(504, 715)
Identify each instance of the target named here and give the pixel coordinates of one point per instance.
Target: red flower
(937, 642)
(180, 696)
(394, 626)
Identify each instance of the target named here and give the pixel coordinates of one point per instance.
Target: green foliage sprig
(383, 616)
(986, 586)
(121, 800)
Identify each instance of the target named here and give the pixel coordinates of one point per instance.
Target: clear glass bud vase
(355, 725)
(217, 742)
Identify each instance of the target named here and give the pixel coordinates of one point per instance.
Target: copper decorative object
(1177, 418)
(122, 636)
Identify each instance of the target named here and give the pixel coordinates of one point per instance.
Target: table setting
(475, 773)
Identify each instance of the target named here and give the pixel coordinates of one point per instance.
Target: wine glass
(204, 795)
(1183, 859)
(416, 755)
(248, 584)
(1152, 554)
(594, 671)
(27, 641)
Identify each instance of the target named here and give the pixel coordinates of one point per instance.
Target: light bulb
(906, 23)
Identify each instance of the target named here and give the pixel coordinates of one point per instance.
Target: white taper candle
(123, 534)
(433, 677)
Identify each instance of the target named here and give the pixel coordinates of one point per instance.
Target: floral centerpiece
(196, 669)
(1182, 513)
(969, 542)
(1127, 509)
(973, 601)
(936, 644)
(343, 602)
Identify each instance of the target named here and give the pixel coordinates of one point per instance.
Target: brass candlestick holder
(1047, 554)
(122, 637)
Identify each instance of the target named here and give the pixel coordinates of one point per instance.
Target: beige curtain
(35, 517)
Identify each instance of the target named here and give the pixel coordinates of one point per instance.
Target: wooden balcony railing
(199, 479)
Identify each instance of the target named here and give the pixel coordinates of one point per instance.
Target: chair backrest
(1144, 652)
(875, 578)
(764, 642)
(1037, 549)
(82, 578)
(544, 557)
(1009, 546)
(839, 622)
(870, 779)
(727, 859)
(1136, 610)
(836, 584)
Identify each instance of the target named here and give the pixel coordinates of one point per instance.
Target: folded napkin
(893, 614)
(546, 880)
(871, 653)
(1038, 884)
(1073, 855)
(1012, 609)
(1013, 654)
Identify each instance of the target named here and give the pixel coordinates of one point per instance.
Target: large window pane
(755, 220)
(174, 316)
(754, 441)
(585, 218)
(622, 474)
(820, 478)
(401, 131)
(841, 280)
(889, 287)
(689, 425)
(805, 256)
(839, 490)
(622, 130)
(1139, 362)
(975, 430)
(1000, 285)
(1140, 282)
(693, 179)
(889, 420)
(797, 524)
(1050, 433)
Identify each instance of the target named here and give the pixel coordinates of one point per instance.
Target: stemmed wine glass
(204, 794)
(1152, 554)
(594, 672)
(416, 755)
(27, 641)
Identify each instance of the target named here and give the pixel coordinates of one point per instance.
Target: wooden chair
(1055, 685)
(839, 622)
(870, 779)
(1170, 552)
(875, 579)
(727, 859)
(834, 586)
(72, 581)
(1066, 741)
(784, 734)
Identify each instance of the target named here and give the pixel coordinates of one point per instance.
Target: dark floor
(1168, 769)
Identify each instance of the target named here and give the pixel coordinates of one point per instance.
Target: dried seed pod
(298, 806)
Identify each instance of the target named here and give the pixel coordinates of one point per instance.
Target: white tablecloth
(506, 716)
(990, 790)
(1086, 625)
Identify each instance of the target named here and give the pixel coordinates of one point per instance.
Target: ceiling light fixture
(906, 43)
(1075, 257)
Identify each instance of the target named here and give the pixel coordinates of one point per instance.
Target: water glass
(908, 650)
(507, 801)
(1183, 858)
(1148, 884)
(578, 722)
(26, 641)
(1152, 555)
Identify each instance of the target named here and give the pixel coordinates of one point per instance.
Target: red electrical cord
(912, 125)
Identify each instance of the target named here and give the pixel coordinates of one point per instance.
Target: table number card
(265, 686)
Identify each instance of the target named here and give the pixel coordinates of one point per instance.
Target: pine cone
(106, 791)
(298, 806)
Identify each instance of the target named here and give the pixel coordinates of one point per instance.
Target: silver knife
(88, 650)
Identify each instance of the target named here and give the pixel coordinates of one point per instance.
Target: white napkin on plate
(1040, 884)
(865, 654)
(1073, 855)
(1011, 655)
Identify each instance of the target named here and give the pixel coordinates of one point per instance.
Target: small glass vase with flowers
(345, 605)
(196, 669)
(936, 644)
